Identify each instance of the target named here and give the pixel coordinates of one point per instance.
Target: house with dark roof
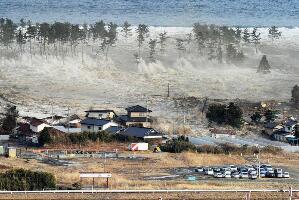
(101, 114)
(96, 125)
(136, 116)
(140, 132)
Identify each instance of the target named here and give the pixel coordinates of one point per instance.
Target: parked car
(235, 175)
(244, 175)
(199, 170)
(218, 175)
(233, 168)
(279, 175)
(252, 176)
(227, 175)
(268, 168)
(209, 171)
(270, 175)
(286, 175)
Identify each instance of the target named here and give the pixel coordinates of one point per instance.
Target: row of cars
(247, 171)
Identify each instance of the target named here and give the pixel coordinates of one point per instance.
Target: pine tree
(10, 120)
(126, 29)
(246, 36)
(142, 32)
(274, 33)
(20, 40)
(163, 38)
(256, 37)
(152, 46)
(264, 66)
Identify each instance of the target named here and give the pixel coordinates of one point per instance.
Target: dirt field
(160, 170)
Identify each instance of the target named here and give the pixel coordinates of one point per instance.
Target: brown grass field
(138, 174)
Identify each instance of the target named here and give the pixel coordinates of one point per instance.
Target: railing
(146, 191)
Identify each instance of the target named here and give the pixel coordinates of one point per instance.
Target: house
(143, 133)
(53, 120)
(290, 125)
(136, 116)
(101, 114)
(95, 125)
(282, 136)
(72, 121)
(37, 125)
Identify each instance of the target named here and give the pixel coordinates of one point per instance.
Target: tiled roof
(137, 108)
(96, 122)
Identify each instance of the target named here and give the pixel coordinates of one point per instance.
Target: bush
(44, 137)
(21, 179)
(81, 138)
(231, 114)
(178, 145)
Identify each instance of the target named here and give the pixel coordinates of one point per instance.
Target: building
(290, 125)
(142, 133)
(96, 125)
(37, 125)
(101, 114)
(136, 116)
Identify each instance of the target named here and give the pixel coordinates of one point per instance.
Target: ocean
(167, 13)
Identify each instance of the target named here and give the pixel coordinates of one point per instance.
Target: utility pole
(168, 90)
(68, 119)
(259, 162)
(52, 113)
(146, 111)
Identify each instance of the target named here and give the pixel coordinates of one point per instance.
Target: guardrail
(143, 191)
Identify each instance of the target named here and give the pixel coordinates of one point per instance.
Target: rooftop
(96, 122)
(137, 108)
(99, 111)
(140, 132)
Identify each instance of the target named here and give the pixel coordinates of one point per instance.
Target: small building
(136, 116)
(96, 125)
(37, 125)
(142, 133)
(101, 114)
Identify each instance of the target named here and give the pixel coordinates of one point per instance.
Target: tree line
(25, 180)
(64, 38)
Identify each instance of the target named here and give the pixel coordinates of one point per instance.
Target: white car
(209, 171)
(235, 175)
(244, 175)
(286, 175)
(252, 176)
(233, 168)
(199, 170)
(218, 175)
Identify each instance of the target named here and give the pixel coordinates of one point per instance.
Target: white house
(37, 125)
(95, 125)
(100, 114)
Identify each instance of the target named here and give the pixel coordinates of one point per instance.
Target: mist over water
(157, 13)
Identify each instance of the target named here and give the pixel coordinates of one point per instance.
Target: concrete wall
(144, 124)
(84, 127)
